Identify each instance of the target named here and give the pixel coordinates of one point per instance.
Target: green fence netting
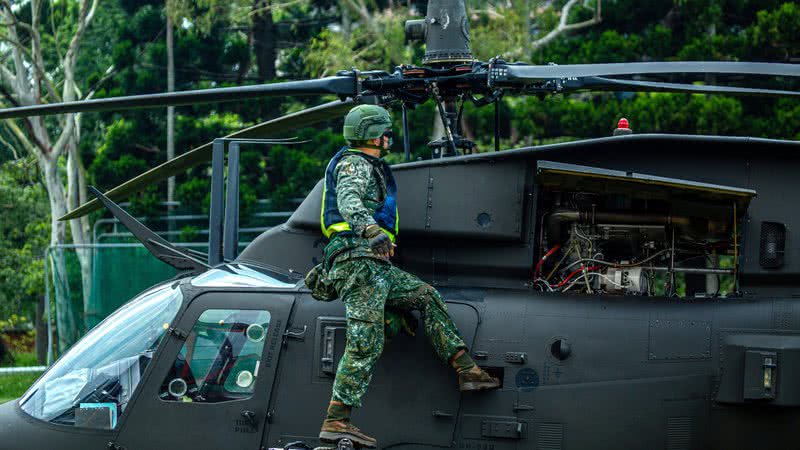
(121, 267)
(118, 273)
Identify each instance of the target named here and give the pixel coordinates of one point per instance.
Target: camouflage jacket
(360, 190)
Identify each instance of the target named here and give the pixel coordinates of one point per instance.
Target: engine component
(628, 280)
(619, 232)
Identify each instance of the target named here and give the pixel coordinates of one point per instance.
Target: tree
(253, 15)
(24, 229)
(29, 77)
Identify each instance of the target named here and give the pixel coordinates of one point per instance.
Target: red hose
(569, 277)
(541, 261)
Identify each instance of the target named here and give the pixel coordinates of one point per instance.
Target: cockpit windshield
(91, 385)
(240, 275)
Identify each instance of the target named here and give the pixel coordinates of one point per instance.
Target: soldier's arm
(352, 178)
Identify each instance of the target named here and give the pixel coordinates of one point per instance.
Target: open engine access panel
(605, 231)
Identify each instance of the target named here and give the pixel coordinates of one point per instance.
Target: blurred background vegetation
(124, 51)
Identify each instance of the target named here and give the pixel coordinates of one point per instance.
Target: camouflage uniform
(367, 284)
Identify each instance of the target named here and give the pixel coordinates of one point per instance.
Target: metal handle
(250, 416)
(438, 413)
(328, 348)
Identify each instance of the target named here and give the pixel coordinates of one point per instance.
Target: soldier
(359, 216)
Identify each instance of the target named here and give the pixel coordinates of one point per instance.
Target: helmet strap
(368, 144)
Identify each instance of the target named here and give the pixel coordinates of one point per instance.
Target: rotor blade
(339, 85)
(609, 84)
(202, 154)
(531, 72)
(155, 244)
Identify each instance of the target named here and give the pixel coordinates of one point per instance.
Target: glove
(379, 241)
(399, 321)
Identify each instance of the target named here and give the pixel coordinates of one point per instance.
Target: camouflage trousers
(367, 286)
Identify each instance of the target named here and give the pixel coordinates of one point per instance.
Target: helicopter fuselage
(577, 372)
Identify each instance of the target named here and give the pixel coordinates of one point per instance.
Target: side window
(220, 358)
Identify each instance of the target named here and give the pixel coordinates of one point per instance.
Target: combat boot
(334, 431)
(471, 380)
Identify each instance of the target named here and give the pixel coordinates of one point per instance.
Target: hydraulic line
(569, 277)
(544, 258)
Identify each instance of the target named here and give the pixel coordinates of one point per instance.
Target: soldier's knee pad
(431, 298)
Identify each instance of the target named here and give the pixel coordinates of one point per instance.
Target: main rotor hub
(445, 31)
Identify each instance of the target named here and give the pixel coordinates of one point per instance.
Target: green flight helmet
(366, 122)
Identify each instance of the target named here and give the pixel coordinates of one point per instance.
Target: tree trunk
(67, 325)
(264, 42)
(79, 228)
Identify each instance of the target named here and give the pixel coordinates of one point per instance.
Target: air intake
(773, 242)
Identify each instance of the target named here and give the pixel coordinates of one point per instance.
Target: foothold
(527, 379)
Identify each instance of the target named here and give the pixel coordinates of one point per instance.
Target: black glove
(379, 241)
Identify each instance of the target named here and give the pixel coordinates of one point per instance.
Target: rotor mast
(447, 45)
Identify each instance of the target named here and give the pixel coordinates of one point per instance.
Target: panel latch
(502, 429)
(328, 349)
(760, 374)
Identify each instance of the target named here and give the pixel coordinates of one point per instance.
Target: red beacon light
(623, 127)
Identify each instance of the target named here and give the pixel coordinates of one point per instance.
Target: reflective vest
(332, 221)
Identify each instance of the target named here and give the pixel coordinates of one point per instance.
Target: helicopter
(558, 263)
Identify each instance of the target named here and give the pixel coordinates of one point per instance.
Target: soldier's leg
(409, 292)
(364, 294)
(362, 287)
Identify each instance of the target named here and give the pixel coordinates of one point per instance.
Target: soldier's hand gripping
(379, 241)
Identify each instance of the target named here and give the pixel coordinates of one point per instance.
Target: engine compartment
(611, 232)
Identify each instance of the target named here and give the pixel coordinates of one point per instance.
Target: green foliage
(189, 234)
(14, 321)
(325, 51)
(13, 386)
(378, 45)
(25, 230)
(787, 119)
(777, 32)
(25, 359)
(609, 46)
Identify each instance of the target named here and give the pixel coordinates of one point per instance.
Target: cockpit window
(91, 385)
(220, 359)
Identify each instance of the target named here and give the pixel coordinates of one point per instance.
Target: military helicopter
(558, 264)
